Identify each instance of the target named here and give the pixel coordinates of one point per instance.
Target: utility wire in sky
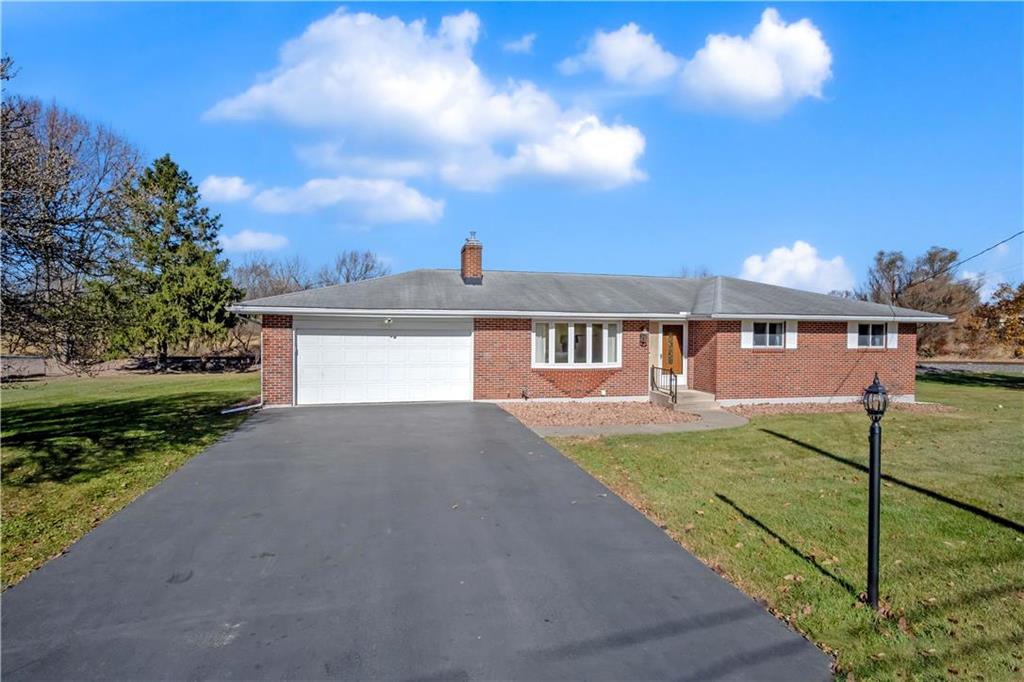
(962, 261)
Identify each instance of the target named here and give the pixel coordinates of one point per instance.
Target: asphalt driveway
(427, 542)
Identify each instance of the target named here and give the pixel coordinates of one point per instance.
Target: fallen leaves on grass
(829, 408)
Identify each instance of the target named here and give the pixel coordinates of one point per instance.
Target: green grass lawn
(75, 450)
(780, 508)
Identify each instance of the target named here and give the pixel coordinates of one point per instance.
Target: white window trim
(572, 364)
(890, 335)
(747, 334)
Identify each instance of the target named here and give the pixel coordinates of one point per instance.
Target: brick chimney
(472, 260)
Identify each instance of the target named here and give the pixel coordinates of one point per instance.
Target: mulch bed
(824, 408)
(594, 414)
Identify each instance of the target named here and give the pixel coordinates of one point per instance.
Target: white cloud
(776, 65)
(249, 240)
(523, 45)
(799, 267)
(624, 56)
(371, 200)
(222, 188)
(328, 155)
(582, 150)
(388, 81)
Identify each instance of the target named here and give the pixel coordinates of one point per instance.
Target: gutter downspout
(232, 410)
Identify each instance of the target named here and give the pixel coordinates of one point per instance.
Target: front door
(672, 347)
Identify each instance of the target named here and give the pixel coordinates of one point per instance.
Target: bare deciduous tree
(259, 276)
(928, 283)
(62, 206)
(352, 266)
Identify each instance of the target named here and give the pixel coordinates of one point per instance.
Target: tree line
(261, 275)
(105, 258)
(930, 282)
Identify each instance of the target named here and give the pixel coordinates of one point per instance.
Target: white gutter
(547, 314)
(831, 318)
(380, 312)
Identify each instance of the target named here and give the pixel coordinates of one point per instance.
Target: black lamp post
(875, 400)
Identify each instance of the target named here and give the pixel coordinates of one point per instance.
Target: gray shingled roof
(540, 292)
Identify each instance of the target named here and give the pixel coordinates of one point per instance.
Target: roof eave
(831, 318)
(561, 314)
(404, 312)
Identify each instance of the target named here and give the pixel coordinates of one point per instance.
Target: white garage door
(385, 365)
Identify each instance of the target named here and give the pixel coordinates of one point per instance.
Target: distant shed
(22, 366)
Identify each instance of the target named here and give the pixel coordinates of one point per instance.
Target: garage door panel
(369, 365)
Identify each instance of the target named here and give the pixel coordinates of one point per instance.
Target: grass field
(75, 450)
(780, 508)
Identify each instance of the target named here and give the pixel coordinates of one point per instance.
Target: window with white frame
(574, 344)
(871, 335)
(769, 335)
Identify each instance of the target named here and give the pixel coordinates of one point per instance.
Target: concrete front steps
(686, 400)
(702, 404)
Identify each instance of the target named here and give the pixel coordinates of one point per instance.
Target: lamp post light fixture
(875, 400)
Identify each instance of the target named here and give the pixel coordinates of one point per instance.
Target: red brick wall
(701, 345)
(276, 345)
(472, 261)
(502, 358)
(820, 365)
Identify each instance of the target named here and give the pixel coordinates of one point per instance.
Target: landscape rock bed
(594, 413)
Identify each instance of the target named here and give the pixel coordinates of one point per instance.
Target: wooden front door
(672, 347)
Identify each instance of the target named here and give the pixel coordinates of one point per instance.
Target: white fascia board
(364, 312)
(831, 318)
(545, 314)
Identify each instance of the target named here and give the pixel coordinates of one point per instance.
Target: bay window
(597, 342)
(561, 343)
(541, 347)
(579, 343)
(576, 344)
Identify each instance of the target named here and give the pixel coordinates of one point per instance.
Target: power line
(890, 302)
(961, 262)
(989, 273)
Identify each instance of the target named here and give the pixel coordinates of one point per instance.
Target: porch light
(875, 399)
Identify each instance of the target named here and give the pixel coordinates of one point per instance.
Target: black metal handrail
(665, 380)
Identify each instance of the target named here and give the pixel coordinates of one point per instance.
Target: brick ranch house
(474, 335)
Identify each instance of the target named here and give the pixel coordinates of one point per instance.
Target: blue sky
(781, 142)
